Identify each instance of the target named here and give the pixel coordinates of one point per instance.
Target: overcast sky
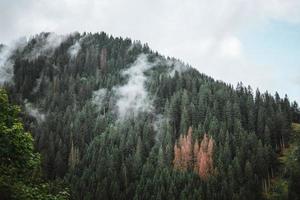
(253, 41)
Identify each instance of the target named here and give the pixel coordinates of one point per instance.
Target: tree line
(212, 141)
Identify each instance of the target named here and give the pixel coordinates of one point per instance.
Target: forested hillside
(20, 176)
(115, 120)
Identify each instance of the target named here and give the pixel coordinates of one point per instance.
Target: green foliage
(16, 145)
(102, 157)
(19, 165)
(294, 164)
(278, 191)
(286, 184)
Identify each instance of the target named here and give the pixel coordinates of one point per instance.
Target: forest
(103, 117)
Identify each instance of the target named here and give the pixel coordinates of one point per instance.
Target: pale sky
(253, 41)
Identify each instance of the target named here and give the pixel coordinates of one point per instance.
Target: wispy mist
(176, 65)
(99, 96)
(133, 97)
(74, 49)
(34, 112)
(47, 44)
(6, 64)
(209, 35)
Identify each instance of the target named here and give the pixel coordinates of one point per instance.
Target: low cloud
(176, 66)
(53, 40)
(34, 112)
(47, 43)
(6, 64)
(206, 34)
(132, 97)
(98, 97)
(74, 49)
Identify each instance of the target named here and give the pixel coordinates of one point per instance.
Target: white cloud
(48, 43)
(98, 97)
(132, 97)
(6, 64)
(134, 18)
(34, 112)
(53, 41)
(230, 47)
(74, 49)
(200, 32)
(176, 66)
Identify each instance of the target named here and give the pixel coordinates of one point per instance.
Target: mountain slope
(111, 117)
(285, 183)
(20, 176)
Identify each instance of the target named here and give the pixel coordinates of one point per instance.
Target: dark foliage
(104, 158)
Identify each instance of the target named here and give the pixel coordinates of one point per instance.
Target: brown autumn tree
(183, 152)
(204, 157)
(199, 158)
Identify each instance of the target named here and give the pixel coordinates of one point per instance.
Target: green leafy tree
(19, 164)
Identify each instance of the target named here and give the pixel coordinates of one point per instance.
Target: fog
(132, 97)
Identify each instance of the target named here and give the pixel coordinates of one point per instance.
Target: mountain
(115, 120)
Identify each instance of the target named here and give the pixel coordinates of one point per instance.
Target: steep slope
(20, 176)
(286, 182)
(107, 113)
